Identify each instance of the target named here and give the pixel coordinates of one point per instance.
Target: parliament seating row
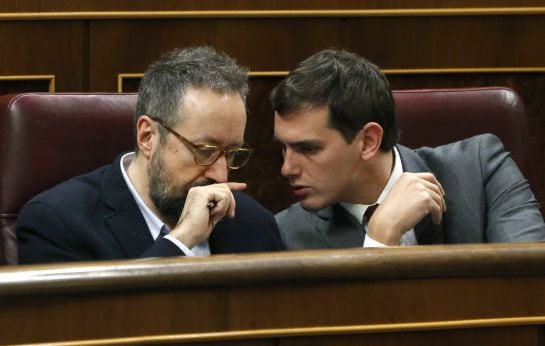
(46, 138)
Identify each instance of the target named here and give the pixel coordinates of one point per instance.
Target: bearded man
(171, 196)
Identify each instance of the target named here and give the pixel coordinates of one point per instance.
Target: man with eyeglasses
(172, 196)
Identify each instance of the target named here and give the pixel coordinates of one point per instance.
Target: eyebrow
(211, 141)
(308, 142)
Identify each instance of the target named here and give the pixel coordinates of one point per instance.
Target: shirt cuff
(370, 242)
(179, 244)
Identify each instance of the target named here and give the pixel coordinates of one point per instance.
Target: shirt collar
(152, 221)
(358, 210)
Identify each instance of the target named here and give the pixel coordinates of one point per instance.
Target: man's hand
(204, 207)
(413, 196)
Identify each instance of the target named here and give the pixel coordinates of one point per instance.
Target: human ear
(370, 138)
(145, 131)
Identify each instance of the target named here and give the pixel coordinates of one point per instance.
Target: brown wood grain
(287, 297)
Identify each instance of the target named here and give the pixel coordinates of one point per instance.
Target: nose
(289, 166)
(218, 172)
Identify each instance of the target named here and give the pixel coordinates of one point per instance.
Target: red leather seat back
(48, 138)
(439, 116)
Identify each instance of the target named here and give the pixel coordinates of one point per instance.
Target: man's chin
(311, 205)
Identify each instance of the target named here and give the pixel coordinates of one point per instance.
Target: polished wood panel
(165, 5)
(426, 293)
(263, 44)
(45, 48)
(487, 336)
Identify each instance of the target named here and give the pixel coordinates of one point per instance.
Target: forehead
(305, 124)
(205, 112)
(197, 103)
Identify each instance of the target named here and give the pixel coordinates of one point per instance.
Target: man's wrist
(387, 236)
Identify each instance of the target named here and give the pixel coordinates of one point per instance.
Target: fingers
(232, 206)
(437, 209)
(221, 200)
(432, 188)
(204, 207)
(236, 186)
(430, 178)
(412, 197)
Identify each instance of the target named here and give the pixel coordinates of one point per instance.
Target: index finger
(236, 186)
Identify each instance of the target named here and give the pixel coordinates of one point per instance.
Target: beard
(168, 199)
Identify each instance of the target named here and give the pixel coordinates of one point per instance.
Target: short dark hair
(354, 89)
(167, 79)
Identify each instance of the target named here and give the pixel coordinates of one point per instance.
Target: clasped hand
(414, 196)
(204, 207)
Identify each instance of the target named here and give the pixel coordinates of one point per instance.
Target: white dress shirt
(152, 221)
(358, 210)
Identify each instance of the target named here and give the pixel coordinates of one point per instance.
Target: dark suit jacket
(487, 197)
(94, 217)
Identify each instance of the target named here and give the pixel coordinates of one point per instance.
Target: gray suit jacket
(488, 200)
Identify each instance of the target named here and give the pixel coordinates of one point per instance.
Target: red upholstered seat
(48, 138)
(439, 116)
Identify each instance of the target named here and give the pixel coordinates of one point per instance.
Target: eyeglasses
(207, 155)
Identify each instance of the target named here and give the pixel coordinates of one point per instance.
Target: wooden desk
(426, 295)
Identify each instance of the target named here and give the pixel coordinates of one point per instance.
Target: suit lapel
(125, 220)
(338, 228)
(426, 231)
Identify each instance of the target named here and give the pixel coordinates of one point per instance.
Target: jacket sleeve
(512, 211)
(163, 248)
(44, 237)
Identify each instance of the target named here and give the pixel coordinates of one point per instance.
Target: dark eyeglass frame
(195, 148)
